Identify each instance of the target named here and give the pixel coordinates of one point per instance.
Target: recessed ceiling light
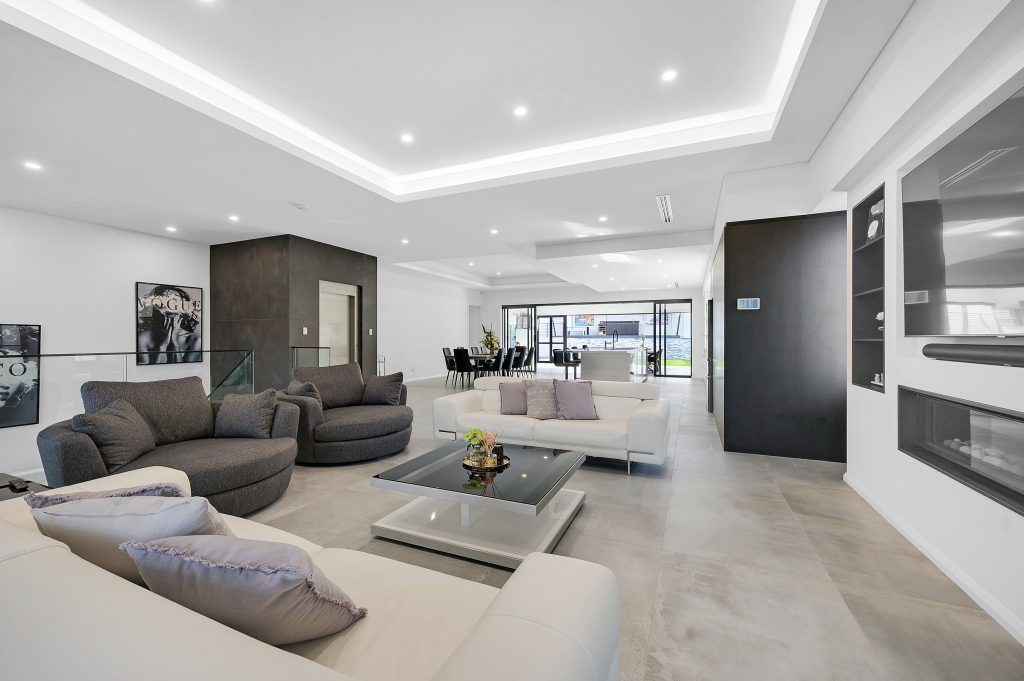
(494, 231)
(669, 75)
(594, 266)
(1005, 232)
(611, 278)
(623, 288)
(659, 260)
(664, 275)
(233, 218)
(405, 241)
(603, 218)
(407, 138)
(582, 236)
(32, 165)
(471, 264)
(520, 111)
(171, 228)
(497, 274)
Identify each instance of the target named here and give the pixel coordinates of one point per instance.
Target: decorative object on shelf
(490, 339)
(876, 215)
(879, 380)
(19, 374)
(169, 323)
(484, 451)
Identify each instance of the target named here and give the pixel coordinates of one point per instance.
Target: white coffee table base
(486, 534)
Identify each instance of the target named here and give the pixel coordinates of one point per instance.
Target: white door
(339, 321)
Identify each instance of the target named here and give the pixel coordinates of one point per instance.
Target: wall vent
(975, 166)
(664, 207)
(915, 297)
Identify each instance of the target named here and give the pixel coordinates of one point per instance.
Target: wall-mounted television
(963, 232)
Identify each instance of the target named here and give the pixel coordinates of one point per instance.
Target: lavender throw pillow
(268, 590)
(513, 397)
(157, 489)
(575, 400)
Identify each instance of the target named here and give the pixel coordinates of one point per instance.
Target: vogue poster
(19, 375)
(169, 322)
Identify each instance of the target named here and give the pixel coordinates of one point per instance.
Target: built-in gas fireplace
(979, 445)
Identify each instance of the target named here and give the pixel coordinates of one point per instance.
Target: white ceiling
(119, 148)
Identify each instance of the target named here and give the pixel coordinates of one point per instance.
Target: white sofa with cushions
(556, 619)
(632, 421)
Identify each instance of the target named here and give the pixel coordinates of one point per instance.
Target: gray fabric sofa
(237, 475)
(352, 432)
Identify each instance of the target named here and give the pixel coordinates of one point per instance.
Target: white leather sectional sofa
(632, 421)
(556, 619)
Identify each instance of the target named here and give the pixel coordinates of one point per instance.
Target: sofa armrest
(286, 420)
(448, 408)
(68, 457)
(311, 415)
(647, 427)
(404, 398)
(557, 619)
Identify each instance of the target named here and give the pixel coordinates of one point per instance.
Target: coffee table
(499, 518)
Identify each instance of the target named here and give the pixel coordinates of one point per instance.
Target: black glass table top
(532, 476)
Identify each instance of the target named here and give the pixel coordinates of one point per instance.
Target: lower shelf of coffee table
(488, 535)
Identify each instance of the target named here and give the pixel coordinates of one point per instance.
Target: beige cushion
(615, 408)
(417, 618)
(505, 425)
(68, 619)
(268, 590)
(609, 434)
(94, 528)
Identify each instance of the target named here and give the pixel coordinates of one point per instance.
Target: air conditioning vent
(665, 207)
(915, 297)
(974, 167)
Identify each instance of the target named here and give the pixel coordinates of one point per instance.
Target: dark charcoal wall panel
(263, 291)
(785, 392)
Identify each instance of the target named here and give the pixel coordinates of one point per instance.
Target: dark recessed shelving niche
(868, 270)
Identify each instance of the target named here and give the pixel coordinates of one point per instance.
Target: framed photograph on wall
(19, 374)
(169, 323)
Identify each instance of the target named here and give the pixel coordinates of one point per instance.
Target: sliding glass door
(550, 336)
(673, 339)
(518, 326)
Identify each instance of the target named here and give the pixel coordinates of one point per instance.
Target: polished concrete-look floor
(730, 566)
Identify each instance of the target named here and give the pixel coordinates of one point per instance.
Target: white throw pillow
(94, 528)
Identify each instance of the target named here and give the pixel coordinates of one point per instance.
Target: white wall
(77, 280)
(416, 317)
(977, 542)
(492, 302)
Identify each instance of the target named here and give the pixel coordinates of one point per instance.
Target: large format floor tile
(730, 566)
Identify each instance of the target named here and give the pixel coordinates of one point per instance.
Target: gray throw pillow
(175, 409)
(119, 431)
(575, 400)
(94, 528)
(384, 389)
(268, 590)
(540, 399)
(247, 415)
(513, 397)
(157, 489)
(339, 386)
(307, 389)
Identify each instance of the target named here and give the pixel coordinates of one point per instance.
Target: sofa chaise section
(557, 618)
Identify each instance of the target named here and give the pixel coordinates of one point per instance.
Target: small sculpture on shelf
(876, 214)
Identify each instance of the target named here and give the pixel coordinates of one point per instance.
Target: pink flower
(489, 442)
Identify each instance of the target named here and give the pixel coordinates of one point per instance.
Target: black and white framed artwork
(169, 323)
(19, 374)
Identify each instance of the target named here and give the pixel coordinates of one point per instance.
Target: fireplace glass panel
(979, 445)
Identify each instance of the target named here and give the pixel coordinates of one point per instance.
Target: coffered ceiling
(291, 116)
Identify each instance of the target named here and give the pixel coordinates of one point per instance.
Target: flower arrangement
(484, 450)
(480, 441)
(490, 339)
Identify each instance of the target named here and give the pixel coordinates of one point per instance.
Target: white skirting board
(33, 474)
(988, 603)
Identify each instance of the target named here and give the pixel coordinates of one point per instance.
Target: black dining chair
(517, 362)
(463, 365)
(449, 364)
(528, 367)
(493, 365)
(506, 366)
